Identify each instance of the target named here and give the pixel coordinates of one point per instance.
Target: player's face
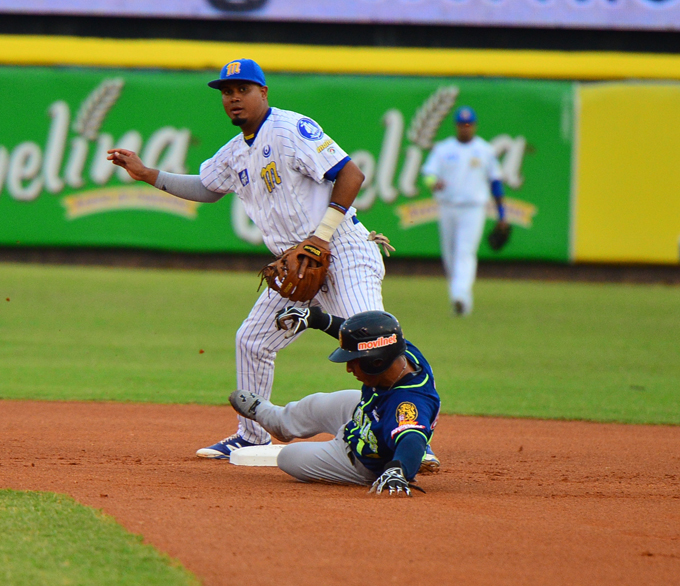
(371, 380)
(245, 103)
(466, 131)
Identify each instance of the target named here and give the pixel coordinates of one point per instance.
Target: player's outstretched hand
(381, 240)
(133, 165)
(393, 481)
(297, 319)
(292, 319)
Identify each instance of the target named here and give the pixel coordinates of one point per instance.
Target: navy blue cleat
(430, 463)
(222, 450)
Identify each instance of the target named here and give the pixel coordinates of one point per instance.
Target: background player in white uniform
(463, 173)
(294, 182)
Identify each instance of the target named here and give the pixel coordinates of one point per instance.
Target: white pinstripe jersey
(280, 177)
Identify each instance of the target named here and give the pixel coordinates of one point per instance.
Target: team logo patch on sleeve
(407, 418)
(243, 176)
(309, 129)
(407, 413)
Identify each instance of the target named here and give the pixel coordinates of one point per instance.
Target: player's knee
(289, 462)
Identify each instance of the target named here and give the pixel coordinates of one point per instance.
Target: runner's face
(370, 380)
(245, 103)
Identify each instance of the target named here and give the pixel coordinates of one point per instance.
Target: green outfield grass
(603, 352)
(50, 540)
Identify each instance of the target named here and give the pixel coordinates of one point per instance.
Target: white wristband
(329, 224)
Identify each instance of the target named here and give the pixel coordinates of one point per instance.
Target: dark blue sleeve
(410, 451)
(409, 413)
(332, 173)
(497, 191)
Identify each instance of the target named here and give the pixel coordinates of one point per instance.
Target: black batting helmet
(373, 336)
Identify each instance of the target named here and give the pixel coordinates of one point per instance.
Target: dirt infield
(517, 502)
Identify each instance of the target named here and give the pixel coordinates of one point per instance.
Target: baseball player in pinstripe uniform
(295, 183)
(463, 173)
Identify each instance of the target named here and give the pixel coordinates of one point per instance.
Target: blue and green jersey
(384, 416)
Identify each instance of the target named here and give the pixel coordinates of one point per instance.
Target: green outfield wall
(58, 189)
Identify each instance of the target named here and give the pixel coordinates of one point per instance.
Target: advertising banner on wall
(58, 189)
(601, 14)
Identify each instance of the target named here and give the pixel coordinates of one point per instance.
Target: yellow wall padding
(179, 54)
(628, 200)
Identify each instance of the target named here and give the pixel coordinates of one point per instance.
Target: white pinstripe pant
(354, 285)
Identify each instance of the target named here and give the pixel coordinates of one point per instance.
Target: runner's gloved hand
(292, 319)
(394, 481)
(297, 319)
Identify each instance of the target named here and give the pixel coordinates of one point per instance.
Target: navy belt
(355, 220)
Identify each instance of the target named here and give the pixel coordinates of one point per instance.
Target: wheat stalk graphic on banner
(96, 106)
(428, 118)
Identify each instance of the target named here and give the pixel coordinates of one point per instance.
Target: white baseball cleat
(430, 463)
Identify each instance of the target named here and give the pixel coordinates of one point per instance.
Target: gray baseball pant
(327, 461)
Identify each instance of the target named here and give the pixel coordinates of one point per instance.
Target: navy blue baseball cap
(241, 70)
(465, 115)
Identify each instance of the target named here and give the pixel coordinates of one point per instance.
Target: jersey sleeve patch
(325, 144)
(407, 418)
(397, 430)
(308, 129)
(407, 412)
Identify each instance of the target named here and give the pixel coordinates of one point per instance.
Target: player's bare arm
(345, 189)
(347, 185)
(133, 165)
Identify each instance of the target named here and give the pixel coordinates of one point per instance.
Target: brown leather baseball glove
(499, 236)
(299, 272)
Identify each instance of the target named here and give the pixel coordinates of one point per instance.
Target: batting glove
(394, 481)
(381, 240)
(292, 319)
